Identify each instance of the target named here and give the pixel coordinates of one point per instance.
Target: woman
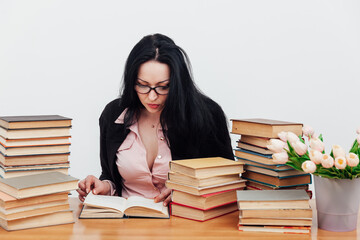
(160, 116)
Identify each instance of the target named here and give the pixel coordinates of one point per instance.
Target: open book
(101, 206)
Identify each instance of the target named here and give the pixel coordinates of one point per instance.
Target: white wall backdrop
(286, 60)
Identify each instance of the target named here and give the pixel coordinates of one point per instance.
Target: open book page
(139, 206)
(135, 201)
(103, 201)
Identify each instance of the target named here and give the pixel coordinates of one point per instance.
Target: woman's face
(155, 75)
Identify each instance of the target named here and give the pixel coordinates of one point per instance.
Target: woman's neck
(153, 118)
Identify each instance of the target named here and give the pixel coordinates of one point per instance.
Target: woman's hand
(164, 196)
(92, 183)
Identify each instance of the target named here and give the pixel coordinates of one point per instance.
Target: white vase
(337, 203)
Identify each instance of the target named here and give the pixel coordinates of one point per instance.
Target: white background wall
(281, 59)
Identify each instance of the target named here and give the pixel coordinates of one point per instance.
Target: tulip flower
(358, 130)
(280, 158)
(276, 145)
(340, 162)
(282, 136)
(316, 144)
(308, 166)
(308, 131)
(291, 137)
(315, 156)
(299, 147)
(352, 159)
(358, 139)
(327, 161)
(338, 151)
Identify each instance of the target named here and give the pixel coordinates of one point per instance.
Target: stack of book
(260, 170)
(204, 188)
(36, 200)
(34, 144)
(286, 211)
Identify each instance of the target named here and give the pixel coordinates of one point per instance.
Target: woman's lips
(154, 106)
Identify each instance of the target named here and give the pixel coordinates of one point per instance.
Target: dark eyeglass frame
(151, 88)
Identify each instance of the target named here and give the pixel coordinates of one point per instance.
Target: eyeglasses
(144, 89)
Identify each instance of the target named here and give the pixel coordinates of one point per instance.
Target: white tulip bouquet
(292, 150)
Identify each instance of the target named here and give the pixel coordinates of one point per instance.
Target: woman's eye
(142, 86)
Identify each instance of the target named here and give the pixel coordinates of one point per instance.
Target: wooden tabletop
(224, 227)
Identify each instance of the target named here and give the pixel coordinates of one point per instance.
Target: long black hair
(186, 115)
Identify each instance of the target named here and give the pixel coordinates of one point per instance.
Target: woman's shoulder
(213, 106)
(112, 110)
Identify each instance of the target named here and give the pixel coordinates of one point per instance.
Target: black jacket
(113, 134)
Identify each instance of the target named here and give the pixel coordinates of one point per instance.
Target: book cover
(206, 167)
(273, 199)
(37, 121)
(275, 229)
(271, 172)
(38, 184)
(305, 213)
(201, 182)
(253, 148)
(255, 157)
(56, 218)
(276, 167)
(205, 190)
(275, 221)
(9, 202)
(33, 142)
(256, 141)
(206, 201)
(188, 212)
(34, 159)
(34, 133)
(34, 150)
(272, 195)
(264, 127)
(278, 181)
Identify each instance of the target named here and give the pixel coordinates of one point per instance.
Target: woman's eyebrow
(156, 83)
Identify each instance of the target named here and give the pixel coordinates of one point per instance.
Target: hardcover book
(34, 210)
(287, 181)
(34, 159)
(206, 167)
(102, 206)
(251, 185)
(275, 221)
(207, 201)
(184, 211)
(253, 148)
(276, 167)
(34, 133)
(55, 218)
(38, 184)
(255, 141)
(305, 213)
(273, 199)
(275, 229)
(205, 190)
(264, 127)
(33, 142)
(34, 150)
(9, 202)
(17, 171)
(255, 157)
(201, 182)
(38, 121)
(271, 172)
